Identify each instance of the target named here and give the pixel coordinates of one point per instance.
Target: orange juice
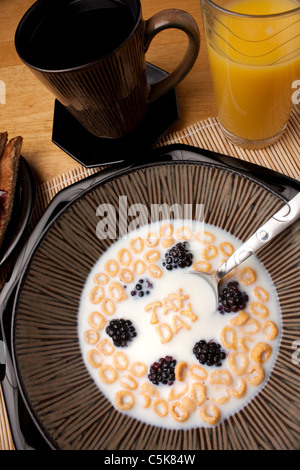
(254, 63)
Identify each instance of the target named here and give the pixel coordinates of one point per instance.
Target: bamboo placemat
(283, 157)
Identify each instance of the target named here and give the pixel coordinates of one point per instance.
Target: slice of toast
(9, 164)
(3, 141)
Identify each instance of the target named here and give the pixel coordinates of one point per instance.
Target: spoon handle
(288, 214)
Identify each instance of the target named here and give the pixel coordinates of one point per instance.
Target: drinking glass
(254, 55)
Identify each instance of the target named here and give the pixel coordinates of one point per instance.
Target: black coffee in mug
(91, 55)
(83, 32)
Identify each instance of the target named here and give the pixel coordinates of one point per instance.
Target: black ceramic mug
(91, 55)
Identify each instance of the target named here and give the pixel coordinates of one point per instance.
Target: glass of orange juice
(254, 56)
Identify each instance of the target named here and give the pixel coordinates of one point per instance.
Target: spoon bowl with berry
(281, 220)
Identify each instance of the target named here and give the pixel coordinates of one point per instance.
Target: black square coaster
(91, 151)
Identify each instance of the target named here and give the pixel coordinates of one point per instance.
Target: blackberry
(209, 353)
(231, 299)
(163, 371)
(143, 287)
(178, 256)
(121, 331)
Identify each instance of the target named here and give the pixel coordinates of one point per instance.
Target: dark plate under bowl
(63, 401)
(23, 206)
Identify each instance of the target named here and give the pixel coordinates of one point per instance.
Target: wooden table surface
(28, 106)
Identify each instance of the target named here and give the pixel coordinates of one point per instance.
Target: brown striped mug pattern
(106, 92)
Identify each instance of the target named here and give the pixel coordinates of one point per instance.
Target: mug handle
(178, 19)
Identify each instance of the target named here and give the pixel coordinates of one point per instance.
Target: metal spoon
(288, 214)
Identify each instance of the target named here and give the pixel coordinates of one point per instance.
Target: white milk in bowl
(152, 339)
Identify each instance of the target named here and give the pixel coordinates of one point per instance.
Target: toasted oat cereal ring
(228, 337)
(238, 362)
(124, 400)
(202, 266)
(120, 360)
(150, 389)
(147, 400)
(261, 294)
(108, 374)
(106, 347)
(166, 231)
(181, 369)
(270, 330)
(210, 414)
(164, 332)
(151, 256)
(111, 267)
(124, 257)
(198, 372)
(220, 377)
(96, 320)
(240, 319)
(179, 412)
(183, 233)
(128, 382)
(255, 374)
(154, 270)
(101, 279)
(239, 389)
(176, 392)
(91, 336)
(198, 393)
(242, 343)
(138, 369)
(250, 327)
(226, 249)
(94, 358)
(97, 294)
(259, 310)
(116, 292)
(222, 398)
(207, 238)
(209, 252)
(136, 245)
(167, 242)
(261, 352)
(108, 307)
(152, 239)
(126, 275)
(160, 407)
(247, 276)
(189, 404)
(139, 267)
